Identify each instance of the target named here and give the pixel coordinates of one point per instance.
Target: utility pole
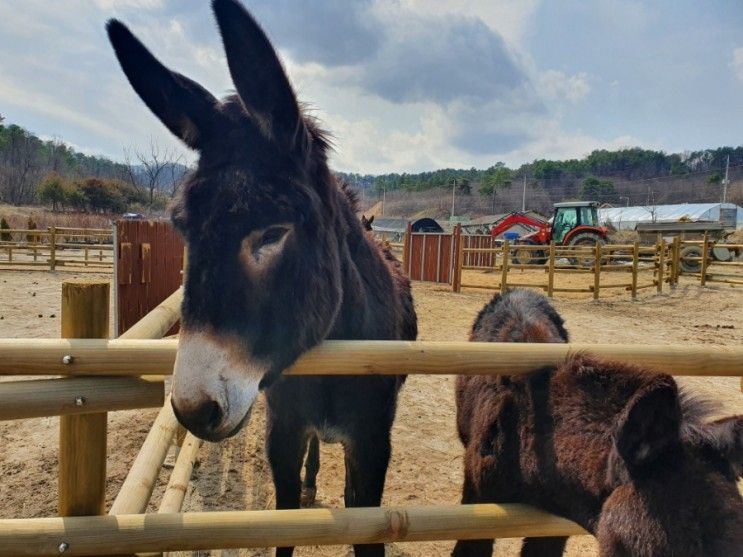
(453, 189)
(384, 196)
(725, 182)
(627, 202)
(523, 196)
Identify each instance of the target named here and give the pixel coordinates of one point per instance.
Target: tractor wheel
(528, 256)
(688, 266)
(585, 239)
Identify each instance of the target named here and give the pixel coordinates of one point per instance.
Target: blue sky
(405, 85)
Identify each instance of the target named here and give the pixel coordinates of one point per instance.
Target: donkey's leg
(311, 468)
(472, 548)
(547, 547)
(367, 456)
(285, 446)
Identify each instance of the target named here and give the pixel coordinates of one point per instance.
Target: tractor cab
(571, 215)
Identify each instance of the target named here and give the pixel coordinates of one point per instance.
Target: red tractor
(574, 223)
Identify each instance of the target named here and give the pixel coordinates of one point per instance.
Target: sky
(404, 85)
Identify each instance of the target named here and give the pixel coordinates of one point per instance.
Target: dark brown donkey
(278, 262)
(613, 447)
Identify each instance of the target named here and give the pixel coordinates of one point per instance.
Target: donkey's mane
(696, 410)
(351, 196)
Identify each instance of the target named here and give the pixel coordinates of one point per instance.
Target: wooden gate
(149, 260)
(428, 257)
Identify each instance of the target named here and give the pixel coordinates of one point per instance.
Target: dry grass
(622, 237)
(735, 237)
(17, 217)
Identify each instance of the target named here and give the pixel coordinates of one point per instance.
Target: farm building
(394, 228)
(627, 218)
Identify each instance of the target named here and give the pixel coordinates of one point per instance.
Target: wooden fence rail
(72, 248)
(367, 357)
(602, 261)
(707, 260)
(114, 535)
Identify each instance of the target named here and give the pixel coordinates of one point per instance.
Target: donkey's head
(519, 315)
(259, 216)
(366, 223)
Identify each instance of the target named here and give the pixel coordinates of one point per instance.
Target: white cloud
(737, 63)
(128, 4)
(13, 95)
(509, 18)
(556, 85)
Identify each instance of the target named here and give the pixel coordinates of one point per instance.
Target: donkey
(278, 262)
(611, 446)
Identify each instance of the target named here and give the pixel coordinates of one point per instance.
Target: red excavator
(574, 223)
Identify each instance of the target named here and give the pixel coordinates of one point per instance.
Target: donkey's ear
(257, 74)
(649, 424)
(371, 220)
(185, 107)
(725, 436)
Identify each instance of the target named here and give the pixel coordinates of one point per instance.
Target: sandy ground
(426, 466)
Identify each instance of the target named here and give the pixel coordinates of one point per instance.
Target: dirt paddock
(426, 466)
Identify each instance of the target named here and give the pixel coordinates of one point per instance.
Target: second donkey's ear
(649, 424)
(725, 436)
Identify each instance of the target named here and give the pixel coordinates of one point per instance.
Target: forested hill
(626, 165)
(26, 159)
(635, 176)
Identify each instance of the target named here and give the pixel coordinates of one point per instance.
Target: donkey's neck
(369, 291)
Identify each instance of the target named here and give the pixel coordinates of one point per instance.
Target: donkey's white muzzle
(214, 385)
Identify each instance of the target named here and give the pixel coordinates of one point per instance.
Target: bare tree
(153, 168)
(652, 206)
(175, 175)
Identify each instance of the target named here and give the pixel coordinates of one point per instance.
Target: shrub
(5, 236)
(52, 190)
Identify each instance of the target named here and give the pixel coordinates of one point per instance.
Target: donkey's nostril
(203, 421)
(210, 415)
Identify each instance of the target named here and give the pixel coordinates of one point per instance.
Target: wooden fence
(97, 371)
(719, 271)
(76, 249)
(441, 258)
(604, 263)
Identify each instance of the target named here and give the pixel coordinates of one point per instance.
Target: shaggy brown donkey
(278, 262)
(611, 446)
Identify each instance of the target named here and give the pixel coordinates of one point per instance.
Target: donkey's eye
(271, 236)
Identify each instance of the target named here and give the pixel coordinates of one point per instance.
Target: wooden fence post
(456, 281)
(597, 270)
(661, 262)
(635, 264)
(405, 251)
(82, 437)
(504, 269)
(705, 256)
(52, 248)
(551, 271)
(675, 262)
